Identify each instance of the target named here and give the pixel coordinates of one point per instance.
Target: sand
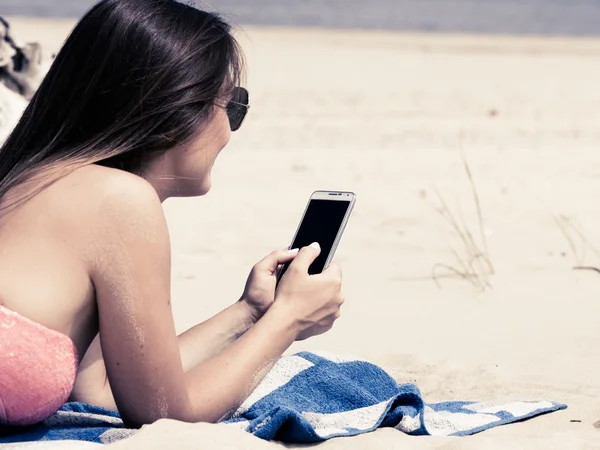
(391, 117)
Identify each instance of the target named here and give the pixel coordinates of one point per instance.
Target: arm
(196, 345)
(143, 363)
(211, 337)
(235, 372)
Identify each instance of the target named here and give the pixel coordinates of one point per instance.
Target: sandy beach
(393, 117)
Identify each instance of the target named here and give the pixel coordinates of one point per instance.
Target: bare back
(45, 247)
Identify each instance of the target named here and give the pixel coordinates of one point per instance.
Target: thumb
(307, 256)
(274, 259)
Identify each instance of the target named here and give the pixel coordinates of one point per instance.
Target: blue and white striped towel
(310, 397)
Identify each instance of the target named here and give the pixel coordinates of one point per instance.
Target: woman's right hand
(311, 302)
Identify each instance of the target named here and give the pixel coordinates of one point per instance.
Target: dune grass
(472, 261)
(580, 245)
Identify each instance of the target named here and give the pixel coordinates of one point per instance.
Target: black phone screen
(321, 223)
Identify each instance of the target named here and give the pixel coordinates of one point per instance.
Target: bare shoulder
(102, 185)
(103, 205)
(104, 192)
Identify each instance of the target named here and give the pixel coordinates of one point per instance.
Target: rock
(22, 69)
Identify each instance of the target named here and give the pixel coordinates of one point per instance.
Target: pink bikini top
(38, 367)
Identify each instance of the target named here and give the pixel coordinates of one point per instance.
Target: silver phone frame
(345, 196)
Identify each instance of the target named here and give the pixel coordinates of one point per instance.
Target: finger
(306, 256)
(275, 259)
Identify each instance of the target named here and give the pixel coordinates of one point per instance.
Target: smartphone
(324, 220)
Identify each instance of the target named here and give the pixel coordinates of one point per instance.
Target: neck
(154, 174)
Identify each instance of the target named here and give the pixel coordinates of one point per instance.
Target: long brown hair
(134, 79)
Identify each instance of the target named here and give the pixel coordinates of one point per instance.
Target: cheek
(201, 156)
(223, 127)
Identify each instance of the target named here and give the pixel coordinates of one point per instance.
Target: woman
(135, 109)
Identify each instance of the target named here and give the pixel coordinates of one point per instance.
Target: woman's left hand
(259, 293)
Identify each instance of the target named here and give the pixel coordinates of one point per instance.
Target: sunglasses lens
(236, 114)
(237, 108)
(240, 95)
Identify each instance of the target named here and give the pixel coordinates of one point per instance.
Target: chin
(205, 188)
(200, 189)
(192, 190)
(203, 192)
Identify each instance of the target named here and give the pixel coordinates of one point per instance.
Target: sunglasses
(237, 108)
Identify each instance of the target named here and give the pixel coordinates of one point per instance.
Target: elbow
(137, 419)
(208, 412)
(134, 421)
(131, 422)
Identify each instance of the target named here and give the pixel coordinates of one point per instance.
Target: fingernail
(294, 250)
(315, 245)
